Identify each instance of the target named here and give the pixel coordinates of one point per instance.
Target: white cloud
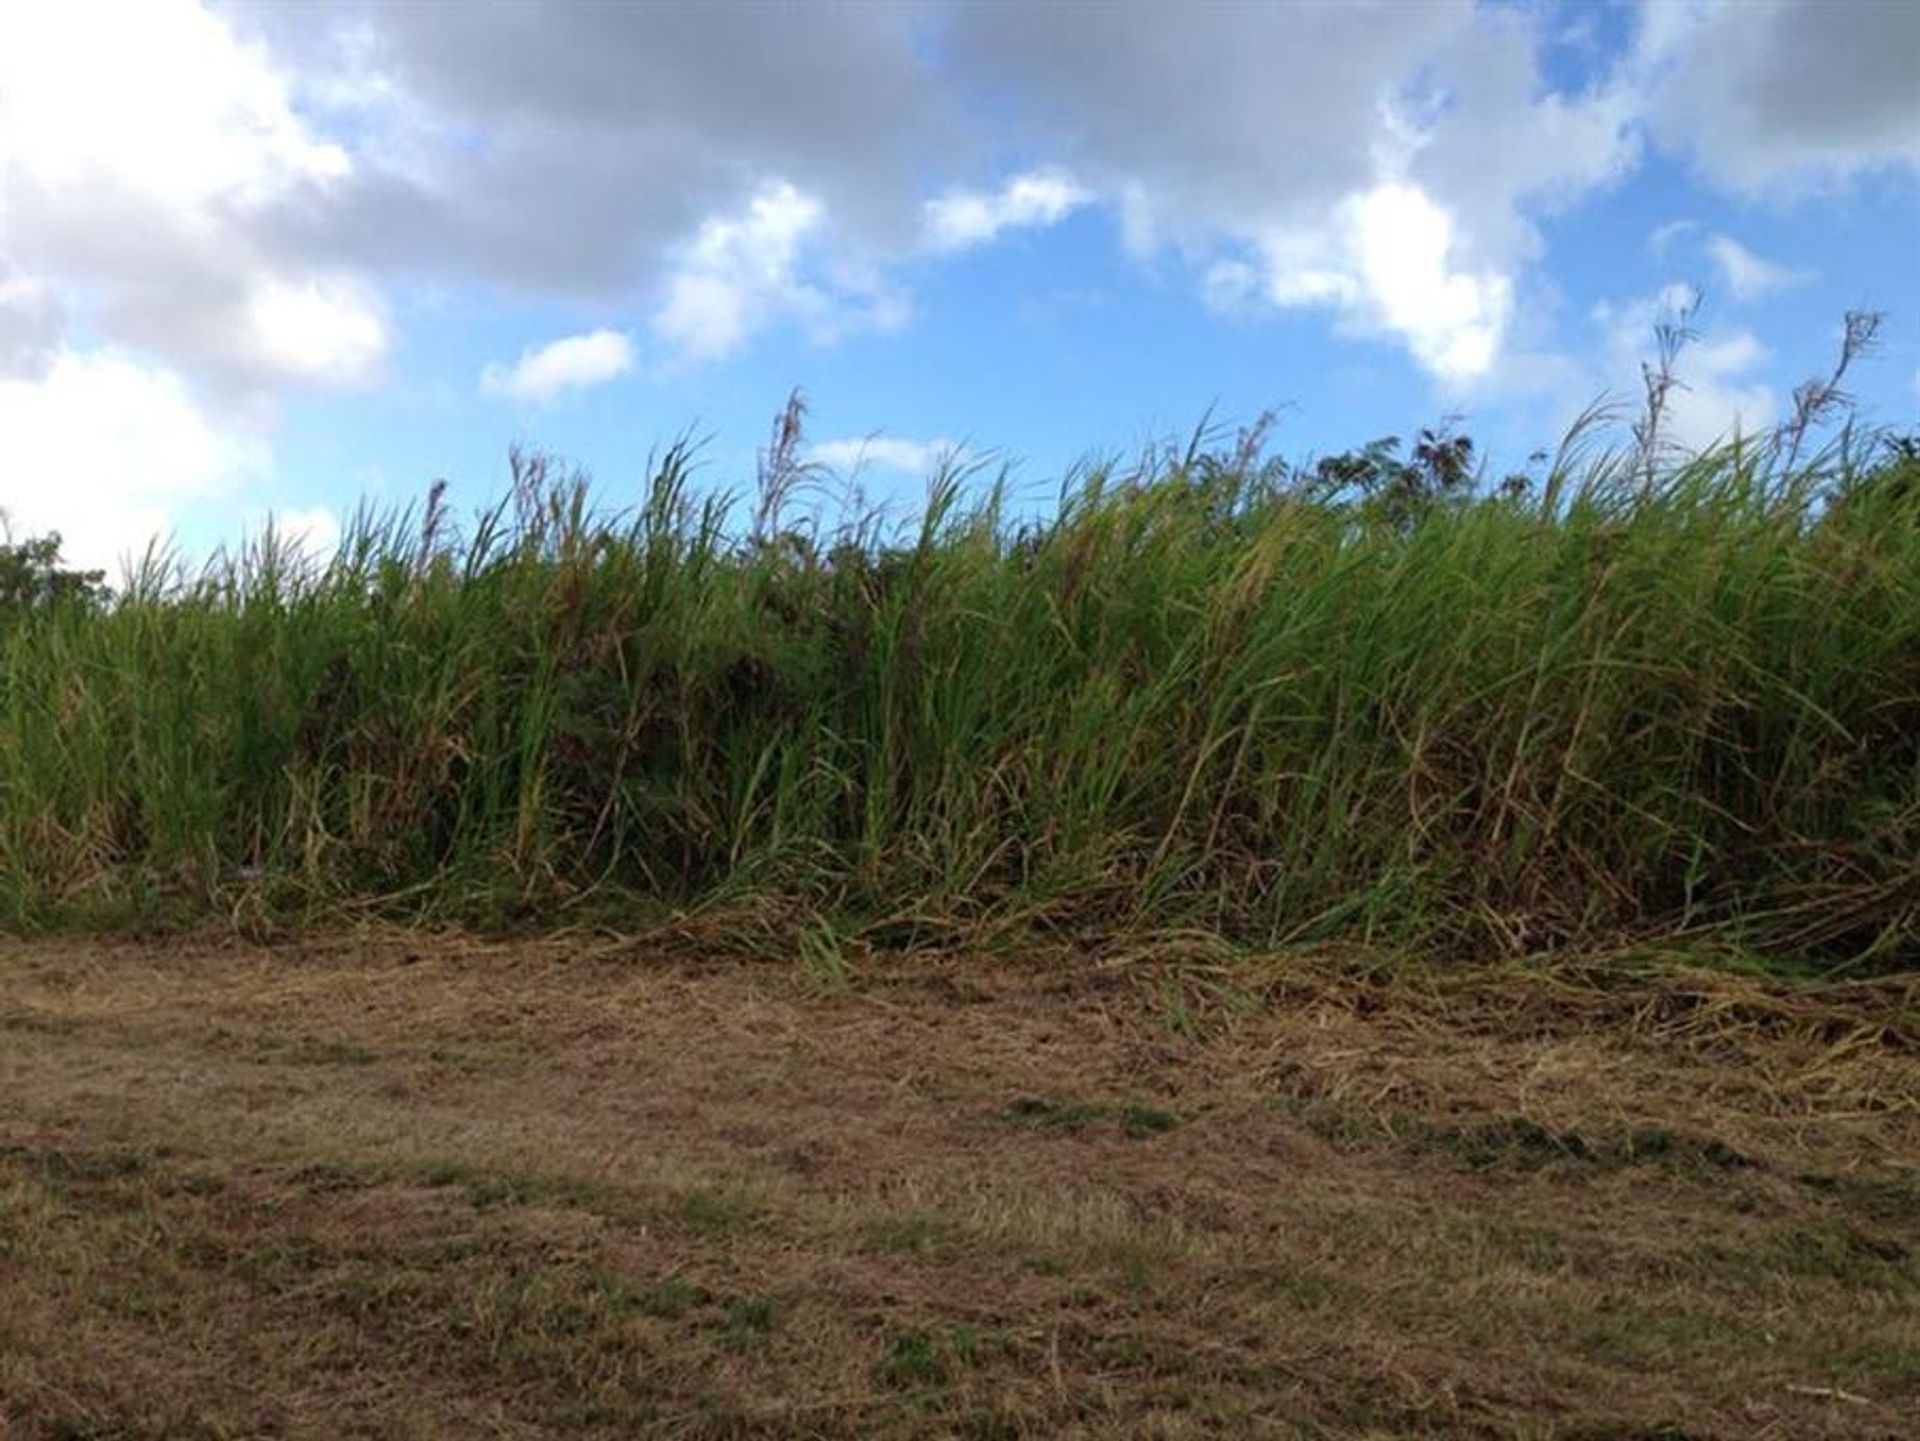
(331, 331)
(574, 150)
(1499, 144)
(574, 363)
(1748, 276)
(142, 176)
(1397, 184)
(738, 271)
(1729, 354)
(745, 270)
(1452, 318)
(961, 219)
(174, 110)
(103, 449)
(229, 188)
(1388, 263)
(911, 457)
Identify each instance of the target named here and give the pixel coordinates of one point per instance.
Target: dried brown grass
(413, 1185)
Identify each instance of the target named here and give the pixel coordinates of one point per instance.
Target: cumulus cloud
(1500, 146)
(601, 150)
(1391, 179)
(176, 111)
(141, 174)
(1220, 116)
(1453, 319)
(574, 363)
(910, 457)
(104, 449)
(961, 219)
(1722, 397)
(1388, 264)
(745, 270)
(569, 149)
(329, 329)
(738, 269)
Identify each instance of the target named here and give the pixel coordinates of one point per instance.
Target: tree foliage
(33, 577)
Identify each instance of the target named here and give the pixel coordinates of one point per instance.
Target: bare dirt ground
(415, 1186)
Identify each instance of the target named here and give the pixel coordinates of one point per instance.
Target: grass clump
(1135, 1119)
(1363, 700)
(919, 1358)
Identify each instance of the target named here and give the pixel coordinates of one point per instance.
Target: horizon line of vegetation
(1643, 696)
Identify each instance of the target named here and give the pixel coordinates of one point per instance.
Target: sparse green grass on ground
(411, 1185)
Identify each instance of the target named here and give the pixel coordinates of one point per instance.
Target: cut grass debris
(727, 1200)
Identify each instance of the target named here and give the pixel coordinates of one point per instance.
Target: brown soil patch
(415, 1186)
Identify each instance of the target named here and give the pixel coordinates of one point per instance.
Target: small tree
(32, 577)
(1439, 471)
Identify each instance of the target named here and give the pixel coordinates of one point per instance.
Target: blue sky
(273, 258)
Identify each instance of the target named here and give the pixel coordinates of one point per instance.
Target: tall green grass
(1200, 694)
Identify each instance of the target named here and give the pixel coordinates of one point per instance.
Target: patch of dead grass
(418, 1186)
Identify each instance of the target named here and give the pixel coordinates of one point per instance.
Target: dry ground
(411, 1186)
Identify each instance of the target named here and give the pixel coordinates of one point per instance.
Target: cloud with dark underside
(1773, 95)
(245, 206)
(565, 148)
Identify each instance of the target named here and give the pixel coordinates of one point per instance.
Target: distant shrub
(32, 576)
